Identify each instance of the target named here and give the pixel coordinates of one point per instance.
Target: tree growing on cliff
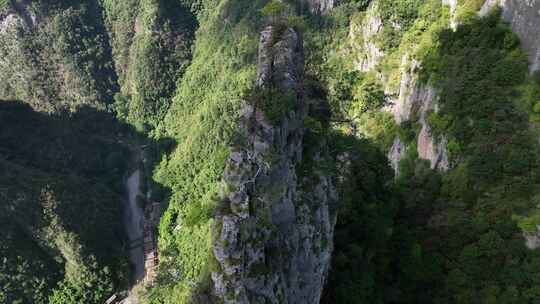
(275, 11)
(368, 96)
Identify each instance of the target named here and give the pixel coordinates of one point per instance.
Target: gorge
(271, 151)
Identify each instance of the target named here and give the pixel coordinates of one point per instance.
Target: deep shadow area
(61, 192)
(456, 236)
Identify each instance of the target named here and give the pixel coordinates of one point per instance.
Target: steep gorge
(267, 125)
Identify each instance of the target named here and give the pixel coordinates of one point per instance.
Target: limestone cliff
(273, 231)
(410, 100)
(320, 6)
(414, 102)
(363, 36)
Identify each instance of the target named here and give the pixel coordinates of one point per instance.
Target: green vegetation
(202, 119)
(151, 42)
(456, 235)
(62, 64)
(365, 225)
(60, 212)
(275, 104)
(183, 69)
(472, 243)
(275, 10)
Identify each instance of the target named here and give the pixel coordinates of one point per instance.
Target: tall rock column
(272, 235)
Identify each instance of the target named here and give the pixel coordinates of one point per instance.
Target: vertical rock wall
(320, 6)
(414, 102)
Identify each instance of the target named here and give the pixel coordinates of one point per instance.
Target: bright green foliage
(398, 17)
(202, 119)
(93, 286)
(368, 96)
(529, 97)
(274, 10)
(151, 46)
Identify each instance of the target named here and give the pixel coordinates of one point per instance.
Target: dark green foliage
(477, 70)
(456, 238)
(59, 205)
(83, 142)
(275, 104)
(365, 224)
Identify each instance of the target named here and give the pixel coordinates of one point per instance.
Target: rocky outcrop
(524, 18)
(363, 36)
(396, 154)
(532, 240)
(273, 231)
(414, 103)
(402, 107)
(320, 6)
(430, 147)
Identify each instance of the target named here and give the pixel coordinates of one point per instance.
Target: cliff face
(273, 233)
(414, 103)
(411, 101)
(364, 36)
(320, 6)
(524, 18)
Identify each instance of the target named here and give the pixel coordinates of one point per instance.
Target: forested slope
(60, 191)
(391, 143)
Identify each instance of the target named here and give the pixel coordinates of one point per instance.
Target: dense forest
(387, 148)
